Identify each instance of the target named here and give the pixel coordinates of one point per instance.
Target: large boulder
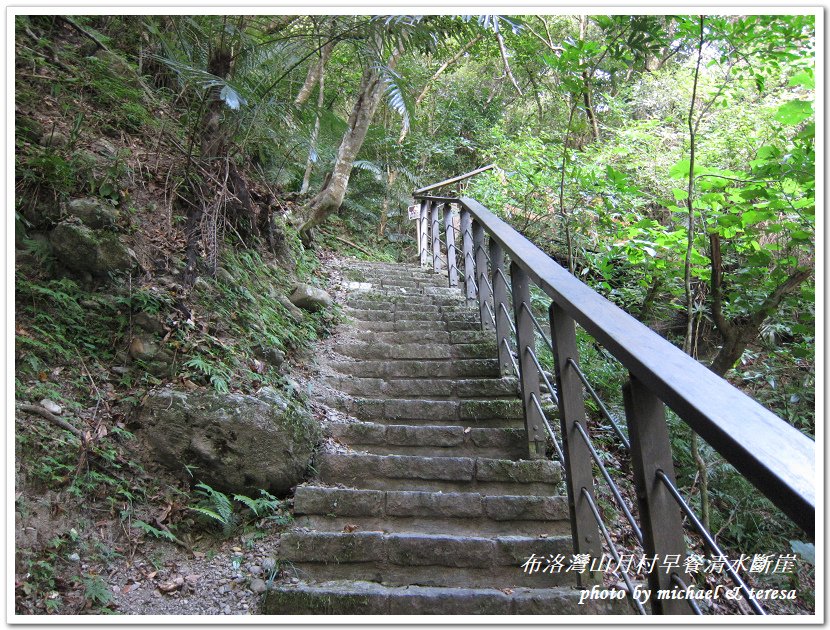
(232, 442)
(85, 250)
(310, 298)
(94, 213)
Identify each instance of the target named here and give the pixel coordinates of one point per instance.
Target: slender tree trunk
(328, 200)
(391, 176)
(590, 114)
(700, 463)
(314, 73)
(737, 335)
(312, 149)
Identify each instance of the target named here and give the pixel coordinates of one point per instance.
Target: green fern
(216, 506)
(153, 531)
(260, 507)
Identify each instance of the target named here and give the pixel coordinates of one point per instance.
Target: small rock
(143, 348)
(295, 580)
(310, 298)
(73, 557)
(256, 570)
(293, 312)
(120, 369)
(224, 276)
(268, 564)
(105, 148)
(273, 356)
(148, 322)
(258, 586)
(226, 610)
(51, 406)
(54, 139)
(116, 589)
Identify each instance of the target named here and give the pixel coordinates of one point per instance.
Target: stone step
(438, 314)
(372, 296)
(397, 559)
(482, 413)
(458, 513)
(430, 440)
(425, 387)
(467, 368)
(378, 350)
(446, 474)
(370, 598)
(415, 324)
(420, 336)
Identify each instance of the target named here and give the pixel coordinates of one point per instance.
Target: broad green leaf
(679, 193)
(794, 112)
(804, 78)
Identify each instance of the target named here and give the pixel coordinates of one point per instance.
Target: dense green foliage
(667, 161)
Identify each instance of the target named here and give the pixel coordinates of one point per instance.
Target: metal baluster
(481, 272)
(529, 377)
(467, 252)
(436, 238)
(660, 517)
(500, 306)
(449, 231)
(579, 479)
(423, 237)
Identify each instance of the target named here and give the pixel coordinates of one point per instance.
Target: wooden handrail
(777, 458)
(452, 180)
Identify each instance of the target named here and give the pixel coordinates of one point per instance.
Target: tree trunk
(312, 149)
(737, 335)
(328, 200)
(314, 73)
(391, 176)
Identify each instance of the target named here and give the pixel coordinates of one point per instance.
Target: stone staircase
(425, 506)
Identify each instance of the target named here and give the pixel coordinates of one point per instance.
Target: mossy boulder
(232, 442)
(310, 298)
(84, 250)
(93, 213)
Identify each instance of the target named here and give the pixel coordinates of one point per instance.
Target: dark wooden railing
(775, 457)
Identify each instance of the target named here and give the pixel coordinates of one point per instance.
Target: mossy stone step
(430, 440)
(398, 559)
(370, 598)
(446, 474)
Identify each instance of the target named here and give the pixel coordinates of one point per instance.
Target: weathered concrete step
(379, 350)
(421, 336)
(442, 314)
(470, 411)
(468, 368)
(425, 387)
(333, 509)
(415, 324)
(401, 296)
(431, 441)
(398, 559)
(406, 307)
(370, 598)
(446, 474)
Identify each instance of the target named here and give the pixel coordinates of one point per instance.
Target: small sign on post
(414, 212)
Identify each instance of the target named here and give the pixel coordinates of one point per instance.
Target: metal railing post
(578, 469)
(660, 517)
(423, 238)
(467, 252)
(449, 232)
(436, 237)
(500, 306)
(481, 273)
(529, 377)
